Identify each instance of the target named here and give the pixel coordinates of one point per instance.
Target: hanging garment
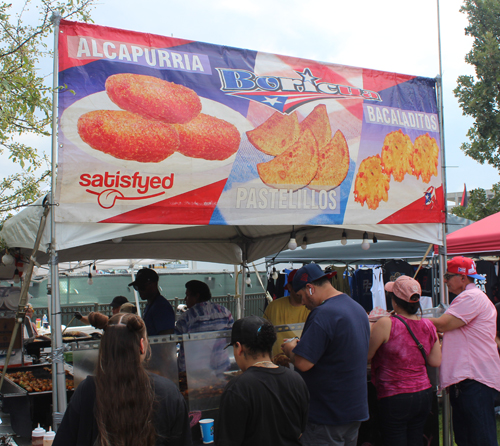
(340, 281)
(378, 292)
(392, 270)
(424, 278)
(363, 281)
(487, 269)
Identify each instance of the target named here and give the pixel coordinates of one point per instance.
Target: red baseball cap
(291, 274)
(463, 266)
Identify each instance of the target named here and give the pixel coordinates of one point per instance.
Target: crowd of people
(324, 400)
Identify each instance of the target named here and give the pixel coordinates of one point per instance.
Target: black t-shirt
(79, 427)
(362, 290)
(392, 270)
(262, 407)
(487, 269)
(424, 278)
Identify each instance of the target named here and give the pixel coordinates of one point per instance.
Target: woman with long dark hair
(123, 404)
(268, 404)
(399, 368)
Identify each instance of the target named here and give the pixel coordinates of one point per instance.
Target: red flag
(465, 201)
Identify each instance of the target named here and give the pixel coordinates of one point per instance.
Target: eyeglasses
(139, 287)
(448, 276)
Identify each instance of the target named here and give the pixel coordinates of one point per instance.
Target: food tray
(36, 380)
(11, 389)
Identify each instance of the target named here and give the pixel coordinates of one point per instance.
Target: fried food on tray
(282, 359)
(333, 164)
(276, 134)
(372, 183)
(396, 154)
(425, 157)
(318, 122)
(28, 381)
(208, 138)
(128, 136)
(153, 98)
(295, 167)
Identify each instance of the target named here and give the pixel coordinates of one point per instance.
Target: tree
(25, 95)
(479, 206)
(479, 95)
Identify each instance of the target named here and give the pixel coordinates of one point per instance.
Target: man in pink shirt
(470, 368)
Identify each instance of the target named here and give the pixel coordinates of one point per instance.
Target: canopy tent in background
(352, 253)
(479, 238)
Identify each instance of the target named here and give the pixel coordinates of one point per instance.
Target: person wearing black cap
(331, 356)
(267, 404)
(159, 315)
(115, 305)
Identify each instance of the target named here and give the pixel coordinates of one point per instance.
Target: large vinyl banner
(160, 130)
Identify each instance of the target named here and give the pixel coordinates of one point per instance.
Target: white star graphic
(272, 101)
(307, 76)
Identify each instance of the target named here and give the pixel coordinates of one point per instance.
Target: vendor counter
(208, 368)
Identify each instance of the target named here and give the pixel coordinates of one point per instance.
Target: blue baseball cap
(307, 274)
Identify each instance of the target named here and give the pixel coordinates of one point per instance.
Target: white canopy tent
(211, 243)
(231, 244)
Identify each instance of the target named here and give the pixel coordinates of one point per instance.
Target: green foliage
(479, 206)
(479, 95)
(26, 93)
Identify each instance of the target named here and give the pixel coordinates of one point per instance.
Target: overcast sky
(388, 35)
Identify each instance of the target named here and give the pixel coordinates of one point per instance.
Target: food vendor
(30, 326)
(115, 305)
(159, 316)
(204, 315)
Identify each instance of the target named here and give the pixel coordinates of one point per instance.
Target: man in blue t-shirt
(159, 316)
(331, 356)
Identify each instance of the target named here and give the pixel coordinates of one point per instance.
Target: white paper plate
(175, 163)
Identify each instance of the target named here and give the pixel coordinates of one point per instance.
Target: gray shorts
(326, 435)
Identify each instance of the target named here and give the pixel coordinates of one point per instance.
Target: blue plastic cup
(207, 430)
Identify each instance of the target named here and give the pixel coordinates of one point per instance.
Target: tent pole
(236, 293)
(447, 435)
(136, 295)
(23, 298)
(243, 289)
(58, 376)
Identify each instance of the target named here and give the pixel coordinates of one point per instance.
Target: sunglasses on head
(448, 276)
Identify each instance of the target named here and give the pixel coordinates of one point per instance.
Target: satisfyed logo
(286, 94)
(106, 185)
